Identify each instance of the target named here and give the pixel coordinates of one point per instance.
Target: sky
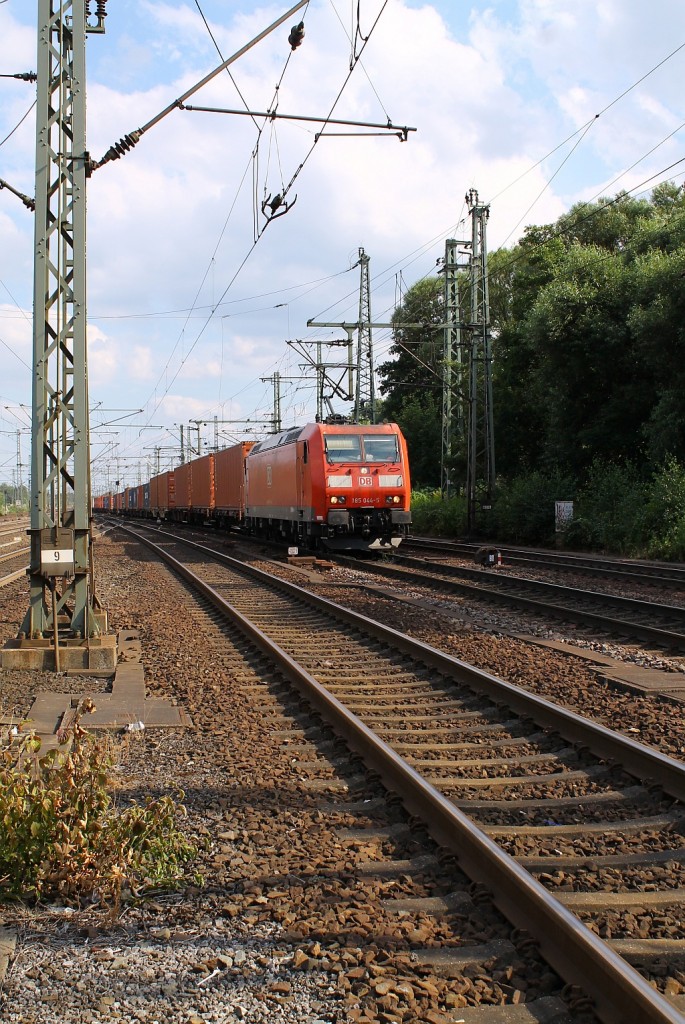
(193, 296)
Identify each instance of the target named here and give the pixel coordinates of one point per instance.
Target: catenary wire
(297, 172)
(19, 124)
(228, 70)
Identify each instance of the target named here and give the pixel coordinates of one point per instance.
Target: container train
(336, 487)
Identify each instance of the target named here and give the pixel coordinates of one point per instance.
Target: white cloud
(143, 364)
(102, 361)
(182, 408)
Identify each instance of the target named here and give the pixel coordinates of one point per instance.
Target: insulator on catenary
(102, 8)
(121, 147)
(296, 35)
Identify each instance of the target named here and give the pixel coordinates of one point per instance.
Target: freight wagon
(162, 495)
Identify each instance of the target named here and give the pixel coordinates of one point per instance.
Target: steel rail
(15, 530)
(667, 637)
(619, 992)
(622, 569)
(17, 553)
(512, 582)
(11, 577)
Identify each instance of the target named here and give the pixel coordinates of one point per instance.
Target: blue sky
(176, 327)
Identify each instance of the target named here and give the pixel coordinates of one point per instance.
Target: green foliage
(590, 344)
(13, 499)
(524, 508)
(436, 517)
(420, 424)
(60, 834)
(609, 513)
(665, 513)
(588, 339)
(415, 372)
(615, 511)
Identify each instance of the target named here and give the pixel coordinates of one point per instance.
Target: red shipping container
(202, 483)
(162, 492)
(229, 474)
(183, 482)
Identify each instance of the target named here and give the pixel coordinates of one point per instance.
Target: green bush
(524, 507)
(665, 512)
(610, 510)
(60, 834)
(615, 511)
(435, 516)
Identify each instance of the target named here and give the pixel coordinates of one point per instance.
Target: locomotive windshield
(380, 448)
(361, 448)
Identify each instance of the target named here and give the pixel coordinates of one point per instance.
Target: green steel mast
(61, 582)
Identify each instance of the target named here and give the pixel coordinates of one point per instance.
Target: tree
(412, 380)
(589, 355)
(415, 372)
(588, 331)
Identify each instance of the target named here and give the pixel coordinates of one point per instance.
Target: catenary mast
(480, 469)
(64, 621)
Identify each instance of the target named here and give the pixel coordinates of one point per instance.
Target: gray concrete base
(99, 653)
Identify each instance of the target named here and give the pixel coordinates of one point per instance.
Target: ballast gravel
(219, 954)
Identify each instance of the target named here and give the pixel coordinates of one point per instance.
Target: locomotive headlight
(342, 500)
(396, 499)
(334, 500)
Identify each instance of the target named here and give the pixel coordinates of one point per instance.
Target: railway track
(618, 616)
(564, 820)
(626, 570)
(13, 565)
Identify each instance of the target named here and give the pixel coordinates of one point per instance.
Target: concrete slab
(547, 1010)
(124, 706)
(638, 678)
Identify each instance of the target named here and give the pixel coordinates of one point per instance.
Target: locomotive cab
(366, 487)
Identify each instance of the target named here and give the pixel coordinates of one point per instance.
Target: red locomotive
(331, 486)
(339, 487)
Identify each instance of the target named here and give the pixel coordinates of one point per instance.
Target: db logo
(366, 481)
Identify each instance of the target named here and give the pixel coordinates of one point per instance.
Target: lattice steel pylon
(480, 469)
(64, 626)
(365, 389)
(453, 367)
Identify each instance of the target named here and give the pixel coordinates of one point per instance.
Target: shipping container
(202, 485)
(162, 494)
(183, 483)
(229, 481)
